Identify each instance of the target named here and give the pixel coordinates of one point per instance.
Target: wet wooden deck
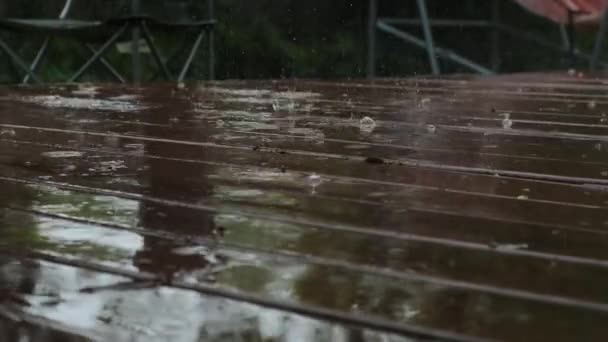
(465, 209)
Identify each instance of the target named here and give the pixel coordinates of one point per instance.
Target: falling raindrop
(367, 125)
(431, 129)
(598, 146)
(276, 106)
(571, 72)
(591, 104)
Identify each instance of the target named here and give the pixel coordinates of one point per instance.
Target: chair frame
(139, 26)
(389, 26)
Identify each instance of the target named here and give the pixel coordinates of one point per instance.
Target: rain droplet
(591, 104)
(571, 72)
(431, 128)
(181, 85)
(598, 146)
(219, 123)
(522, 197)
(367, 125)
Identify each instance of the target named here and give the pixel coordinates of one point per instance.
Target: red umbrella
(557, 10)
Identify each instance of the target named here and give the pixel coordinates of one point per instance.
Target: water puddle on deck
(394, 206)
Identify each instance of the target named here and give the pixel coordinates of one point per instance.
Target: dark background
(294, 38)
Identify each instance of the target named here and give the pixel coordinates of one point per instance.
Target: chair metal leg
(599, 43)
(109, 43)
(211, 42)
(571, 39)
(211, 52)
(155, 53)
(176, 53)
(107, 65)
(135, 36)
(193, 51)
(18, 61)
(563, 33)
(371, 38)
(495, 56)
(37, 59)
(445, 53)
(428, 36)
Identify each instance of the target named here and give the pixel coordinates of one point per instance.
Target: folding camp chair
(49, 28)
(140, 22)
(106, 33)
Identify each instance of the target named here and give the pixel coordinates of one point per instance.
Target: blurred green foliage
(289, 38)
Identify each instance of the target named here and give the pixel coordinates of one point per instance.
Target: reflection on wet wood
(456, 209)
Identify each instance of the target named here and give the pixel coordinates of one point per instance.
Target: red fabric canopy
(557, 10)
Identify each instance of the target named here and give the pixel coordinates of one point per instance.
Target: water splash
(367, 125)
(314, 180)
(430, 128)
(283, 105)
(506, 121)
(598, 146)
(62, 154)
(7, 132)
(424, 102)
